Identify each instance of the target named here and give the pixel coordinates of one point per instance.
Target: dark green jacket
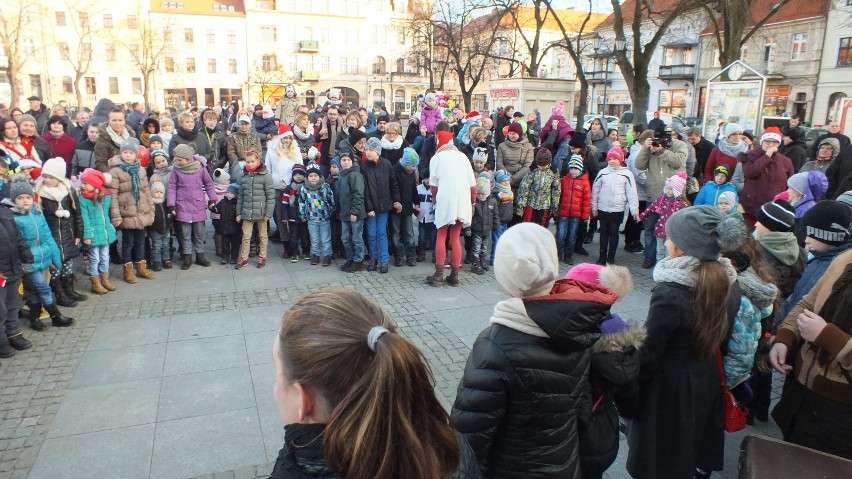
(350, 193)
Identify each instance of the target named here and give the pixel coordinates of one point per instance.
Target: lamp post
(598, 46)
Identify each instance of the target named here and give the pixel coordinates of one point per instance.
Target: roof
(792, 10)
(226, 8)
(658, 7)
(572, 19)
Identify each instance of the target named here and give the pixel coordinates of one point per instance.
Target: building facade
(835, 73)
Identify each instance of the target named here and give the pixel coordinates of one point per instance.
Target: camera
(662, 138)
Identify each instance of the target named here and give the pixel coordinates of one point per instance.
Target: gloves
(172, 212)
(210, 205)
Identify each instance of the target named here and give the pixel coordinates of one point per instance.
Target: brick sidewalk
(172, 378)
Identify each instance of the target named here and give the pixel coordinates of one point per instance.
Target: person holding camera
(662, 157)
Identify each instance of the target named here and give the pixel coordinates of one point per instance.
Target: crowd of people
(750, 248)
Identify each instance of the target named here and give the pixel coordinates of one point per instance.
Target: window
(844, 53)
(107, 20)
(113, 85)
(291, 63)
(135, 50)
(232, 66)
(211, 65)
(91, 86)
(768, 44)
(190, 65)
(325, 63)
(268, 33)
(131, 21)
(309, 62)
(265, 4)
(86, 50)
(170, 64)
(222, 8)
(799, 46)
(61, 21)
(110, 53)
(171, 4)
(343, 65)
(168, 36)
(84, 19)
(270, 62)
(189, 35)
(28, 45)
(232, 37)
(67, 85)
(63, 51)
(137, 85)
(211, 38)
(353, 65)
(400, 65)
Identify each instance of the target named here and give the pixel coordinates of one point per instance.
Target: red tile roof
(792, 10)
(658, 7)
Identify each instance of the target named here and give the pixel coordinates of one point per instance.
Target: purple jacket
(565, 129)
(189, 194)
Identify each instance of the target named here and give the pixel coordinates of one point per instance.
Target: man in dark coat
(839, 173)
(39, 111)
(702, 147)
(794, 147)
(101, 113)
(833, 132)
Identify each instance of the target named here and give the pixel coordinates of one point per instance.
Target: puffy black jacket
(227, 209)
(486, 216)
(380, 187)
(64, 229)
(194, 138)
(407, 183)
(14, 251)
(517, 402)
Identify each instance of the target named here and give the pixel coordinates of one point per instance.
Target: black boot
(57, 318)
(476, 268)
(602, 257)
(34, 317)
(372, 265)
(186, 261)
(62, 299)
(69, 289)
(483, 262)
(201, 261)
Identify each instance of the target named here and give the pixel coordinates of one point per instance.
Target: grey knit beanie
(20, 186)
(130, 144)
(704, 232)
(183, 151)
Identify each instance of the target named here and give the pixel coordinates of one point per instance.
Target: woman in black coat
(679, 430)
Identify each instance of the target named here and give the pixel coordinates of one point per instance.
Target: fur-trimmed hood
(622, 341)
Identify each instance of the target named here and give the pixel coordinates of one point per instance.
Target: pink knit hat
(677, 183)
(613, 277)
(558, 108)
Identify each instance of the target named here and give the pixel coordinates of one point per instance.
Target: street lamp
(598, 46)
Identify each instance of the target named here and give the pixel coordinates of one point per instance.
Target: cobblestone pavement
(172, 378)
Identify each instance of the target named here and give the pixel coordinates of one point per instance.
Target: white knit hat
(54, 167)
(525, 263)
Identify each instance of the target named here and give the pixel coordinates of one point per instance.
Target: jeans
(10, 307)
(99, 259)
(481, 244)
(561, 155)
(661, 249)
(566, 235)
(405, 235)
(41, 292)
(132, 245)
(495, 237)
(650, 239)
(353, 239)
(248, 226)
(191, 237)
(160, 251)
(320, 233)
(427, 233)
(377, 234)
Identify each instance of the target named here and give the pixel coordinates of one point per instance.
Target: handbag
(735, 415)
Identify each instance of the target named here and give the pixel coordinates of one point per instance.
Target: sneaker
(241, 264)
(261, 262)
(294, 258)
(355, 267)
(398, 262)
(314, 260)
(411, 261)
(383, 268)
(307, 257)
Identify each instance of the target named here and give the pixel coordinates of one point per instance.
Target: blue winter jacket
(96, 221)
(37, 233)
(709, 193)
(813, 272)
(756, 303)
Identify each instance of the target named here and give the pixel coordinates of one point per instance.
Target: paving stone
(204, 393)
(110, 366)
(183, 357)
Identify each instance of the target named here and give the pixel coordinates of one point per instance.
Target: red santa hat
(284, 130)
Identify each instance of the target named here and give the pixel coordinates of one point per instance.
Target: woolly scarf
(115, 137)
(504, 193)
(338, 128)
(132, 170)
(190, 169)
(756, 290)
(56, 193)
(513, 314)
(297, 188)
(684, 270)
(314, 185)
(781, 245)
(302, 135)
(593, 135)
(189, 135)
(732, 149)
(391, 145)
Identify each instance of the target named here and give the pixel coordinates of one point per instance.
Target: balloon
(143, 155)
(505, 130)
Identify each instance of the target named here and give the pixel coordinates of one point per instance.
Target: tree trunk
(640, 94)
(77, 91)
(15, 91)
(146, 89)
(582, 107)
(467, 99)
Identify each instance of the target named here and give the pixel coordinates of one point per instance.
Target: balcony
(677, 72)
(600, 76)
(310, 75)
(308, 46)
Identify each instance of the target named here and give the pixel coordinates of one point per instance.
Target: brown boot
(217, 240)
(437, 279)
(129, 275)
(97, 288)
(105, 282)
(453, 278)
(142, 271)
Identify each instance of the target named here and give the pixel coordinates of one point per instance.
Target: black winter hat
(355, 135)
(777, 216)
(578, 140)
(828, 222)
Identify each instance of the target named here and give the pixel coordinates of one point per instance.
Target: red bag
(735, 415)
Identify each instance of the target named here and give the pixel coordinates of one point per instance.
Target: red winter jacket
(576, 201)
(764, 177)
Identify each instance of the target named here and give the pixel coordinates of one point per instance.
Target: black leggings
(610, 222)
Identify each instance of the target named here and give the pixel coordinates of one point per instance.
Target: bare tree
(422, 50)
(635, 60)
(573, 43)
(148, 43)
(730, 19)
(80, 20)
(528, 29)
(14, 20)
(269, 79)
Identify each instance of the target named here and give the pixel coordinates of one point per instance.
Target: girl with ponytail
(679, 432)
(358, 399)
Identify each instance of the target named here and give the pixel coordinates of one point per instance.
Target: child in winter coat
(539, 192)
(612, 389)
(403, 224)
(709, 194)
(221, 180)
(316, 204)
(160, 231)
(31, 221)
(430, 115)
(255, 206)
(98, 232)
(160, 167)
(803, 192)
(58, 201)
(613, 191)
(517, 402)
(575, 206)
(229, 227)
(15, 259)
(189, 184)
(556, 133)
(671, 201)
(298, 232)
(505, 205)
(728, 203)
(485, 222)
(427, 233)
(352, 212)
